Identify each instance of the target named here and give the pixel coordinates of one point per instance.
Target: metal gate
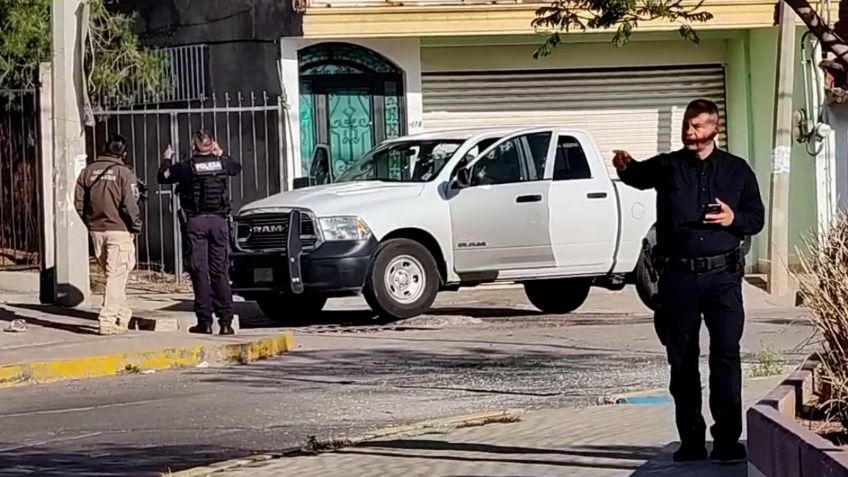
(20, 198)
(249, 129)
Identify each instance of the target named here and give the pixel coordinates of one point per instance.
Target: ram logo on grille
(268, 229)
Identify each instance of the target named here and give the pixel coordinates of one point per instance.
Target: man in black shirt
(707, 202)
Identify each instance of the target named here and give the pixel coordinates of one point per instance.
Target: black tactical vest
(208, 192)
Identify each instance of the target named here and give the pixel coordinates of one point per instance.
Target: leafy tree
(115, 62)
(24, 40)
(624, 15)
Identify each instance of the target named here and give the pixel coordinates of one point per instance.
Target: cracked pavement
(479, 350)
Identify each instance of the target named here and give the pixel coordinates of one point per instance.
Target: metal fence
(20, 152)
(249, 129)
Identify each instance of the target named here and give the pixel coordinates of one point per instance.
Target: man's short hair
(116, 145)
(702, 106)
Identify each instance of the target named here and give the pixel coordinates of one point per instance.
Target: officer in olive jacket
(106, 198)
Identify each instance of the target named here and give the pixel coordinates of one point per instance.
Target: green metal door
(351, 126)
(351, 98)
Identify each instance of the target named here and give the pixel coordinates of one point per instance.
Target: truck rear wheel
(558, 296)
(291, 308)
(403, 280)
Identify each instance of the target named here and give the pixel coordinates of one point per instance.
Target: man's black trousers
(209, 255)
(684, 299)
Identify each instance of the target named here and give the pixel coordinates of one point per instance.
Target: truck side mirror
(462, 178)
(300, 182)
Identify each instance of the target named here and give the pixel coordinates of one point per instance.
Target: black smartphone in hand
(710, 209)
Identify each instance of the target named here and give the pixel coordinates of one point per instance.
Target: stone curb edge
(38, 372)
(465, 420)
(651, 396)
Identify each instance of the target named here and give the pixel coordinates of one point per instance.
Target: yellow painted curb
(131, 363)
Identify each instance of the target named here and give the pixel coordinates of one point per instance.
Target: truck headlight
(344, 228)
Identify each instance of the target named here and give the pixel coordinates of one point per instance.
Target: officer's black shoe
(690, 453)
(729, 453)
(227, 329)
(201, 329)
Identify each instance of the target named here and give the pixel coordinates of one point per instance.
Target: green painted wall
(759, 48)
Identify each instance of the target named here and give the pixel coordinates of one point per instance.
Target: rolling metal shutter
(637, 109)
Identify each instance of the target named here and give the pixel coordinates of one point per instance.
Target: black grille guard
(295, 251)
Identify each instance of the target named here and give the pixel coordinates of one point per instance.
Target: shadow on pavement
(251, 318)
(661, 465)
(587, 457)
(481, 312)
(594, 452)
(104, 461)
(8, 315)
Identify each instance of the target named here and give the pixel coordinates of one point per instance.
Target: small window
(571, 163)
(520, 159)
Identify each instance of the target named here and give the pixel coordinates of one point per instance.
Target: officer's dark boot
(690, 451)
(226, 329)
(201, 329)
(733, 453)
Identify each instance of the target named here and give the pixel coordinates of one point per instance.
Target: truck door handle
(523, 199)
(597, 195)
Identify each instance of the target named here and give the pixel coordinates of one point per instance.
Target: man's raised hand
(621, 159)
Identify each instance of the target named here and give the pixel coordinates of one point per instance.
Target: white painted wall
(405, 53)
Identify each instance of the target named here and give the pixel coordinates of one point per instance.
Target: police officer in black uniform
(707, 201)
(203, 189)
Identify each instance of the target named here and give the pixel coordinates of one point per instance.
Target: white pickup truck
(443, 210)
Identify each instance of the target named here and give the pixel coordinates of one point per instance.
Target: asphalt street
(474, 352)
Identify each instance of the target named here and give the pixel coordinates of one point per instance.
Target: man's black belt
(703, 264)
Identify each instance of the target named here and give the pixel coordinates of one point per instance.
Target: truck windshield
(405, 161)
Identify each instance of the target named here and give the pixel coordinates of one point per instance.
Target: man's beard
(701, 142)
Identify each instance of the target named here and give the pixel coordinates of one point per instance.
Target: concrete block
(753, 471)
(759, 440)
(20, 282)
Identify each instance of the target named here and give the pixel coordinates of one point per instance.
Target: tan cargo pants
(115, 252)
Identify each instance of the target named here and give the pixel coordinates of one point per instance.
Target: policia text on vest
(203, 189)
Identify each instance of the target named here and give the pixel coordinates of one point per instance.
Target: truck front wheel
(558, 296)
(291, 308)
(403, 280)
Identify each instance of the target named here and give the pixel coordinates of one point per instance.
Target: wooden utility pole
(778, 276)
(71, 237)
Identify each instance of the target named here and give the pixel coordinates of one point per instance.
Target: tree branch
(830, 41)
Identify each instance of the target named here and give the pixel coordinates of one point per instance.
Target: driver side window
(520, 159)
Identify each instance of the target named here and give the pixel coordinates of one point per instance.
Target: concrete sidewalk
(605, 441)
(60, 343)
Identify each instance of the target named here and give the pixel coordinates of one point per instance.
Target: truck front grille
(269, 232)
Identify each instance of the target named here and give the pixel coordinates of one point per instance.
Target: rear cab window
(570, 162)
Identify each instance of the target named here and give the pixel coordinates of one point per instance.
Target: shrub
(824, 290)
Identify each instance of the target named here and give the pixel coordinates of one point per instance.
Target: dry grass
(825, 294)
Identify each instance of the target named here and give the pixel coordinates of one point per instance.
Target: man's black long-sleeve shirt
(685, 184)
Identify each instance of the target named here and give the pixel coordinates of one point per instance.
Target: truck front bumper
(332, 269)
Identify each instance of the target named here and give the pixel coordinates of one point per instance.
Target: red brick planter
(780, 446)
